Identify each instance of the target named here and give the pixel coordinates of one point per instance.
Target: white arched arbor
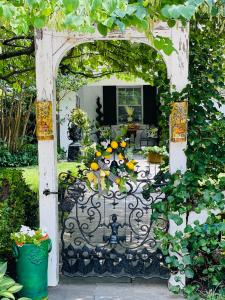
(51, 46)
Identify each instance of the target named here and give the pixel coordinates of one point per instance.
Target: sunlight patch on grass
(30, 174)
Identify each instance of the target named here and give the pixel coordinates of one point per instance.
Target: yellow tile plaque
(44, 127)
(178, 121)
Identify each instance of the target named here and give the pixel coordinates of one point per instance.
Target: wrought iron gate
(110, 234)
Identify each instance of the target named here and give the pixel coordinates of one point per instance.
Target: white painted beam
(47, 153)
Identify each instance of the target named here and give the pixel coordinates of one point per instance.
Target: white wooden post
(178, 68)
(47, 153)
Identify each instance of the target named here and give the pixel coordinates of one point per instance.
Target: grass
(30, 174)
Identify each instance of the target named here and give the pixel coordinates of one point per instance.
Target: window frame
(117, 101)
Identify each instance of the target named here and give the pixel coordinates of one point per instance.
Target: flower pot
(155, 158)
(32, 269)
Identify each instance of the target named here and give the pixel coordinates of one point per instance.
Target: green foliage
(83, 15)
(200, 187)
(80, 119)
(203, 260)
(26, 156)
(8, 287)
(155, 149)
(28, 236)
(18, 206)
(17, 106)
(61, 154)
(186, 10)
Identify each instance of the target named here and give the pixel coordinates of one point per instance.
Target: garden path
(111, 289)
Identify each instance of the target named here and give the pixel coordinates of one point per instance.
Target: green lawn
(31, 173)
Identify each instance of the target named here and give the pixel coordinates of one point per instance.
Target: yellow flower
(117, 181)
(94, 166)
(114, 144)
(102, 173)
(130, 165)
(107, 173)
(91, 177)
(98, 153)
(107, 156)
(109, 149)
(120, 156)
(133, 161)
(103, 184)
(123, 144)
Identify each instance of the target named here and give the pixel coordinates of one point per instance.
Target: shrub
(18, 205)
(26, 156)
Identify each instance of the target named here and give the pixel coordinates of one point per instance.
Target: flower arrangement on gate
(109, 163)
(26, 235)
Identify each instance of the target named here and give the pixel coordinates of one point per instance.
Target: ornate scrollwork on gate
(110, 234)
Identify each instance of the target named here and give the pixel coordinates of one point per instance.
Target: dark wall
(150, 107)
(109, 105)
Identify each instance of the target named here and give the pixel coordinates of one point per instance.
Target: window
(129, 97)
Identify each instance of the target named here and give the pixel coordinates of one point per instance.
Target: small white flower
(24, 229)
(105, 144)
(31, 233)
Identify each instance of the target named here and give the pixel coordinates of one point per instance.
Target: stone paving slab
(111, 289)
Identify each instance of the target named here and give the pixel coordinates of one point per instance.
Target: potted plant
(31, 248)
(78, 128)
(155, 154)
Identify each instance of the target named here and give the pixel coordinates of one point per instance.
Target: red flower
(19, 244)
(44, 237)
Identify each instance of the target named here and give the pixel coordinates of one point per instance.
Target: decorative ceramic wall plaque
(178, 120)
(44, 125)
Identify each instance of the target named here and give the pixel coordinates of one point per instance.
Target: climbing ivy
(200, 187)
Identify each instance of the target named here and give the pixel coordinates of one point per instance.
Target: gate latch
(47, 192)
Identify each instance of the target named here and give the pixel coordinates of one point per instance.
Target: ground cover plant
(26, 156)
(8, 287)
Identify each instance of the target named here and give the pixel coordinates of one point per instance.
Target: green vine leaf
(70, 5)
(189, 273)
(164, 44)
(102, 29)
